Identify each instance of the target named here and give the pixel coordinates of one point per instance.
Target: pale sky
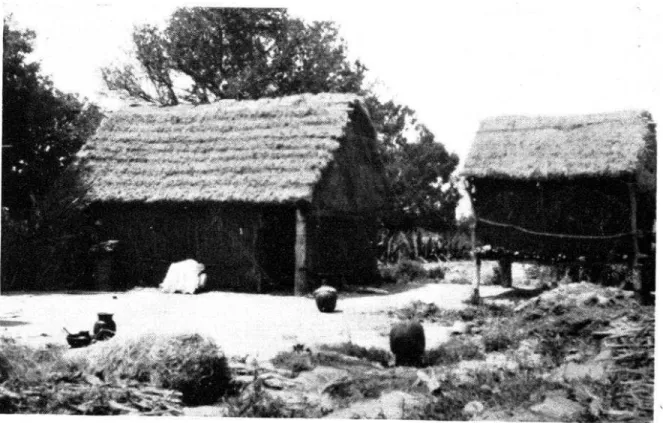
(455, 63)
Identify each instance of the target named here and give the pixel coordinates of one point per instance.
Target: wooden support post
(476, 296)
(505, 272)
(635, 262)
(301, 286)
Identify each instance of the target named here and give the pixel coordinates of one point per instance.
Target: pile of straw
(543, 147)
(632, 344)
(264, 151)
(190, 364)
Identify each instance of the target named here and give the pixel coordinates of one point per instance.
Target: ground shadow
(516, 294)
(11, 323)
(44, 293)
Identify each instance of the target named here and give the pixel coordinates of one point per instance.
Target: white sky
(455, 63)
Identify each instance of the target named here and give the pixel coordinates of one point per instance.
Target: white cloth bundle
(185, 276)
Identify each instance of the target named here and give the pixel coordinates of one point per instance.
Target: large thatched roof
(546, 147)
(264, 151)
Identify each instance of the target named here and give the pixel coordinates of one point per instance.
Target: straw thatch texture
(540, 147)
(265, 151)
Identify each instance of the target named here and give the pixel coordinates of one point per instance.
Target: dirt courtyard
(256, 325)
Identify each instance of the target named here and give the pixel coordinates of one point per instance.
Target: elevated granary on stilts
(571, 189)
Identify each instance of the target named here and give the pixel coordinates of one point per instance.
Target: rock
(394, 405)
(274, 383)
(605, 354)
(460, 328)
(559, 408)
(570, 372)
(473, 408)
(206, 411)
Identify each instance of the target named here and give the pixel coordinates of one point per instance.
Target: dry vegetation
(584, 345)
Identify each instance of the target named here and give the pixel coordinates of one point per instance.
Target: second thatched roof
(265, 151)
(546, 147)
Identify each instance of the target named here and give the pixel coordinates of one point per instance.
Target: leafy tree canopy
(42, 127)
(418, 169)
(234, 53)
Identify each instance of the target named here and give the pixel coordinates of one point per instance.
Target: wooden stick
(300, 254)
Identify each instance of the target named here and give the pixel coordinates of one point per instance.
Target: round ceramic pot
(325, 299)
(105, 327)
(408, 343)
(79, 340)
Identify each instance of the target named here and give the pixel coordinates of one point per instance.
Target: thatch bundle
(547, 147)
(265, 151)
(190, 364)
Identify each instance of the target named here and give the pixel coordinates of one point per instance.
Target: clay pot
(408, 343)
(105, 327)
(325, 298)
(79, 340)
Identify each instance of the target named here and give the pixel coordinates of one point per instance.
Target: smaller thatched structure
(272, 192)
(565, 189)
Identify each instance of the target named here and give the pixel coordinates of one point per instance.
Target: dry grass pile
(191, 364)
(344, 355)
(583, 320)
(264, 151)
(44, 380)
(631, 341)
(608, 144)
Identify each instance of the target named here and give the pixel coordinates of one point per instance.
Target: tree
(42, 127)
(44, 238)
(234, 53)
(418, 169)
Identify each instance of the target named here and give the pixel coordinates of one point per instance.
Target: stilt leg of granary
(476, 296)
(505, 272)
(636, 270)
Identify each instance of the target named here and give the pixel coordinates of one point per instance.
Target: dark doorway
(275, 249)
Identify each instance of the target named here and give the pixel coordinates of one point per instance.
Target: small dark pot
(105, 327)
(325, 299)
(79, 340)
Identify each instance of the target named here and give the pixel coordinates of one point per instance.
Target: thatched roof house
(564, 188)
(240, 185)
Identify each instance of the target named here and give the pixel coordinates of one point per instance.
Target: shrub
(419, 310)
(499, 338)
(453, 351)
(187, 363)
(376, 355)
(294, 361)
(436, 272)
(409, 270)
(460, 280)
(48, 249)
(495, 277)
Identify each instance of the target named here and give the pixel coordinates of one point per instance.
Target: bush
(294, 361)
(435, 273)
(49, 249)
(495, 277)
(409, 270)
(376, 355)
(187, 363)
(499, 338)
(453, 351)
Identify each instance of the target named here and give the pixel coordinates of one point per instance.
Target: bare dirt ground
(242, 324)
